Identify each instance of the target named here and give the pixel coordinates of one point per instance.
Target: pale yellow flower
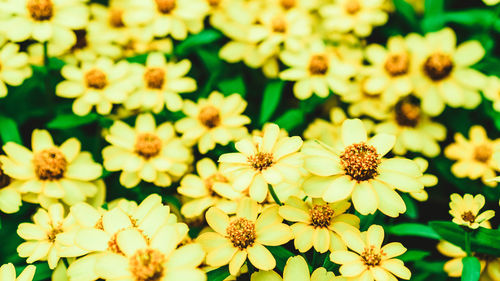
(427, 180)
(216, 119)
(49, 171)
(465, 211)
(474, 156)
(244, 236)
(492, 91)
(443, 73)
(491, 2)
(262, 161)
(159, 84)
(359, 171)
(8, 273)
(324, 131)
(14, 67)
(146, 152)
(369, 260)
(10, 197)
(317, 223)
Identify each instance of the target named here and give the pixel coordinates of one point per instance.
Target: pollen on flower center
(438, 66)
(318, 65)
(148, 145)
(371, 257)
(209, 182)
(165, 6)
(154, 77)
(279, 24)
(113, 244)
(51, 235)
(209, 116)
(352, 7)
(397, 64)
(213, 3)
(468, 216)
(4, 179)
(407, 112)
(116, 18)
(50, 164)
(321, 215)
(483, 153)
(40, 10)
(96, 79)
(288, 4)
(360, 161)
(147, 265)
(241, 232)
(261, 160)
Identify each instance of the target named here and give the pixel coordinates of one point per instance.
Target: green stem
(47, 69)
(467, 243)
(273, 194)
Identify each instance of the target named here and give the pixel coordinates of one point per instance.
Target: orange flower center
(209, 116)
(352, 7)
(213, 3)
(241, 232)
(397, 64)
(52, 234)
(96, 79)
(371, 257)
(40, 10)
(148, 145)
(360, 161)
(165, 6)
(279, 24)
(154, 77)
(483, 153)
(261, 160)
(288, 4)
(321, 215)
(4, 179)
(147, 265)
(407, 112)
(113, 244)
(468, 216)
(318, 65)
(50, 164)
(209, 182)
(438, 66)
(116, 18)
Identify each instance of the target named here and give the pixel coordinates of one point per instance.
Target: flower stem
(273, 194)
(47, 69)
(467, 243)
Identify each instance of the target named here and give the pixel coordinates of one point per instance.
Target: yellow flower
(167, 17)
(360, 172)
(262, 161)
(216, 119)
(155, 258)
(370, 260)
(100, 84)
(443, 73)
(49, 171)
(244, 235)
(10, 197)
(324, 131)
(154, 154)
(45, 236)
(296, 268)
(359, 16)
(316, 69)
(414, 130)
(209, 188)
(465, 211)
(160, 84)
(475, 156)
(427, 180)
(491, 2)
(318, 224)
(14, 67)
(46, 20)
(492, 91)
(8, 273)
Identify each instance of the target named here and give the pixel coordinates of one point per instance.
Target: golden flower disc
(483, 153)
(352, 7)
(288, 4)
(154, 77)
(438, 66)
(321, 215)
(148, 145)
(318, 65)
(209, 116)
(468, 216)
(40, 10)
(279, 24)
(407, 112)
(165, 6)
(261, 160)
(397, 64)
(371, 257)
(147, 265)
(241, 232)
(116, 18)
(360, 161)
(95, 79)
(50, 164)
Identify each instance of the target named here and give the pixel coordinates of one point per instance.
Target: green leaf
(281, 255)
(233, 85)
(271, 99)
(433, 7)
(414, 255)
(411, 206)
(483, 240)
(471, 270)
(9, 130)
(472, 17)
(218, 274)
(205, 37)
(210, 58)
(67, 121)
(43, 272)
(413, 229)
(290, 119)
(433, 18)
(407, 11)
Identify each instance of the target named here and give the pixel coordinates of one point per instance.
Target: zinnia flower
(14, 67)
(465, 211)
(8, 273)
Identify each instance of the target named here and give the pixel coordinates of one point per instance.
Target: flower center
(407, 112)
(213, 3)
(288, 4)
(165, 6)
(360, 161)
(4, 179)
(40, 10)
(50, 164)
(397, 64)
(261, 160)
(371, 257)
(241, 232)
(116, 18)
(352, 7)
(482, 153)
(468, 216)
(96, 79)
(438, 66)
(52, 234)
(209, 116)
(209, 182)
(113, 244)
(148, 145)
(154, 77)
(147, 265)
(321, 215)
(81, 40)
(279, 24)
(318, 65)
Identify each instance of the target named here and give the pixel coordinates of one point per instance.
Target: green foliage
(471, 270)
